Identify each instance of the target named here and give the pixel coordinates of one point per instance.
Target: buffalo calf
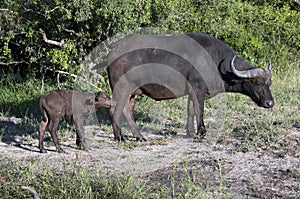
(59, 103)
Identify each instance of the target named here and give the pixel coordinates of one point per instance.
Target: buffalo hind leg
(42, 129)
(115, 112)
(53, 131)
(190, 128)
(117, 130)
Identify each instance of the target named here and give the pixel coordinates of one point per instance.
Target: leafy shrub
(257, 30)
(254, 31)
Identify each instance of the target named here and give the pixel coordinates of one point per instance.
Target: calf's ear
(89, 102)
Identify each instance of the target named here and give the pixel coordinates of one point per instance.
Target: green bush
(21, 99)
(257, 30)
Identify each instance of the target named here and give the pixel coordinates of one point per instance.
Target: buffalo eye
(260, 82)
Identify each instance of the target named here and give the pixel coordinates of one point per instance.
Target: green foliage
(255, 29)
(175, 15)
(77, 182)
(21, 99)
(70, 183)
(62, 57)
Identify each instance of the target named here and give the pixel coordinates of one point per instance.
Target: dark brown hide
(59, 103)
(168, 67)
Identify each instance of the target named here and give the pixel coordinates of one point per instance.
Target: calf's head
(102, 99)
(256, 83)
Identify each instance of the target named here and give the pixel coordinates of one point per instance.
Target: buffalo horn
(246, 73)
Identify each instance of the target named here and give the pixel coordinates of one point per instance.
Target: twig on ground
(34, 193)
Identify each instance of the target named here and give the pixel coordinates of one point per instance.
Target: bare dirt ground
(216, 167)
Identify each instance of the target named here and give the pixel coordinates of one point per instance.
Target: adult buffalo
(168, 67)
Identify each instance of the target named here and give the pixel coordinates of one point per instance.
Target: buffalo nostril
(270, 103)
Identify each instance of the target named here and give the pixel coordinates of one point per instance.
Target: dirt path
(212, 165)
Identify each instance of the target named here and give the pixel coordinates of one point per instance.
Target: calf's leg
(53, 131)
(42, 129)
(80, 137)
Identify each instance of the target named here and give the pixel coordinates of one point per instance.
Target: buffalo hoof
(190, 134)
(43, 151)
(82, 148)
(120, 139)
(202, 131)
(141, 139)
(200, 134)
(60, 150)
(164, 133)
(199, 137)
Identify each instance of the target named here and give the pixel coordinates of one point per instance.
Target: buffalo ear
(89, 102)
(236, 81)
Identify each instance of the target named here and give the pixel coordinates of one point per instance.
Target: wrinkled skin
(59, 103)
(217, 70)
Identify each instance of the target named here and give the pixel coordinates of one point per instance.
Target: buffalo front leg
(80, 137)
(201, 131)
(197, 95)
(128, 113)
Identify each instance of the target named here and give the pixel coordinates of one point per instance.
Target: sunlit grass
(231, 119)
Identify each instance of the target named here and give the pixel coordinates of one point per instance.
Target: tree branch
(48, 11)
(66, 73)
(72, 75)
(13, 63)
(6, 10)
(72, 32)
(52, 42)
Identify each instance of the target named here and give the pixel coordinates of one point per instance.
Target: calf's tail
(45, 119)
(43, 108)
